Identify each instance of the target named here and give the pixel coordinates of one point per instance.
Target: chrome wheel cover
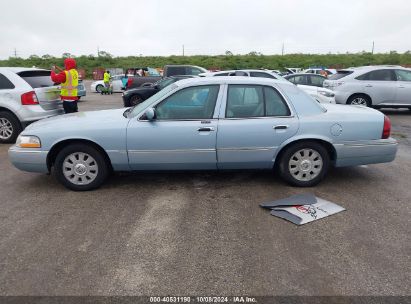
(80, 168)
(6, 128)
(305, 165)
(359, 101)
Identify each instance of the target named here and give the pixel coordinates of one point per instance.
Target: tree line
(253, 60)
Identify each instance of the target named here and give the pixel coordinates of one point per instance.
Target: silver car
(376, 86)
(26, 95)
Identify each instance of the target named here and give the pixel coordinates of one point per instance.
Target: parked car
(322, 95)
(173, 70)
(135, 96)
(168, 70)
(208, 123)
(116, 82)
(81, 89)
(319, 71)
(313, 85)
(376, 86)
(26, 95)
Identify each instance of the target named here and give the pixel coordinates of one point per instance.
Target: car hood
(79, 120)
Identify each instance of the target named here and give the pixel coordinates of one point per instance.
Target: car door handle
(280, 127)
(368, 86)
(205, 129)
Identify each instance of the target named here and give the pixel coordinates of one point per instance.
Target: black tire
(11, 123)
(102, 167)
(292, 178)
(135, 100)
(99, 88)
(367, 99)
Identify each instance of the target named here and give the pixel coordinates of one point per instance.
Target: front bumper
(355, 153)
(31, 160)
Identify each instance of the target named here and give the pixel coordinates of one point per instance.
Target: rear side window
(300, 79)
(5, 83)
(261, 74)
(171, 71)
(221, 74)
(254, 101)
(378, 75)
(339, 75)
(37, 79)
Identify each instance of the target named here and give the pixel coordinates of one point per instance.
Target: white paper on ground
(302, 214)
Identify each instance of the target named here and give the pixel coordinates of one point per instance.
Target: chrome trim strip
(172, 151)
(247, 149)
(22, 150)
(383, 142)
(260, 117)
(116, 151)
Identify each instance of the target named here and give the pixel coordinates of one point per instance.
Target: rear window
(339, 75)
(37, 79)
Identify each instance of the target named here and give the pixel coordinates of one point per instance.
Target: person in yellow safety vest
(106, 79)
(68, 79)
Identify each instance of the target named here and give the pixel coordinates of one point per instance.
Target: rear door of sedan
(183, 134)
(254, 121)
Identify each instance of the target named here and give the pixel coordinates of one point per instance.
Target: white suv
(26, 95)
(377, 86)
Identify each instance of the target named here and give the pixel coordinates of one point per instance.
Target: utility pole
(183, 50)
(282, 50)
(98, 51)
(15, 53)
(372, 52)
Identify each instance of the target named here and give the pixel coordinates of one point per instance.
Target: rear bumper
(30, 160)
(354, 153)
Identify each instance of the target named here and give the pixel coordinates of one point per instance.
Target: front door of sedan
(254, 122)
(181, 137)
(403, 87)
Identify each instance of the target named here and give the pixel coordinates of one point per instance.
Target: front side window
(316, 81)
(254, 101)
(300, 79)
(189, 103)
(261, 74)
(403, 75)
(5, 83)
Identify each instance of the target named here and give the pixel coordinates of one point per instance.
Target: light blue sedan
(212, 123)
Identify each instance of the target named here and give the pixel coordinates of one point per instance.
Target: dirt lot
(204, 233)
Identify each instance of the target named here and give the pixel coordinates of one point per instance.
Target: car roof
(302, 74)
(231, 80)
(20, 69)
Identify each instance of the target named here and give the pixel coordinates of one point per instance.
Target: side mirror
(150, 114)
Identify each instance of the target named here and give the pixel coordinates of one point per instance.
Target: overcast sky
(161, 27)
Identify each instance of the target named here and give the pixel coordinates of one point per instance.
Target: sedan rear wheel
(81, 167)
(304, 164)
(99, 88)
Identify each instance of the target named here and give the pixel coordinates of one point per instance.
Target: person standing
(68, 79)
(106, 79)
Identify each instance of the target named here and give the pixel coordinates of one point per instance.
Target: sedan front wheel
(304, 164)
(81, 167)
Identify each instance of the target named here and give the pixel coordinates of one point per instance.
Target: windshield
(142, 106)
(164, 83)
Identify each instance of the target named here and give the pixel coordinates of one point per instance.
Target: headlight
(28, 141)
(326, 94)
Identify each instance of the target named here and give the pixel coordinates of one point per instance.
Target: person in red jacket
(68, 78)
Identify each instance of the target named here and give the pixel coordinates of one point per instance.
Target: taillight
(29, 98)
(387, 128)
